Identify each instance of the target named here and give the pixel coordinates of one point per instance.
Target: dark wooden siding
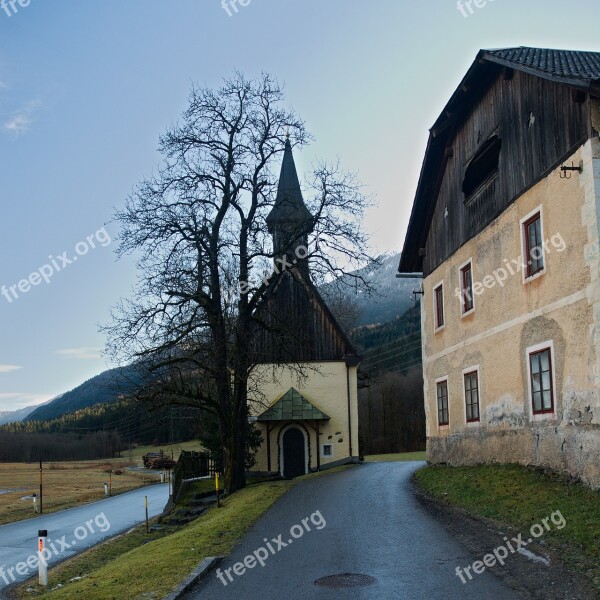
(292, 325)
(528, 153)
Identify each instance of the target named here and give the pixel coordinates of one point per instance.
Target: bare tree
(198, 228)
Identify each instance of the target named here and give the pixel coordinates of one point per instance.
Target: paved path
(374, 526)
(82, 527)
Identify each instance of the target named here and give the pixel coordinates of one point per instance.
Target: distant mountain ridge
(12, 416)
(108, 386)
(391, 298)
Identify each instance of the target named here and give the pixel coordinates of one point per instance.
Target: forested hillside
(107, 387)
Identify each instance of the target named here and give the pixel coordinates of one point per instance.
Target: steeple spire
(289, 221)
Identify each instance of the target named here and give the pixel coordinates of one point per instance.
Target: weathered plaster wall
(562, 306)
(324, 385)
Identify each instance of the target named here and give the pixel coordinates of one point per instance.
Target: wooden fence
(194, 464)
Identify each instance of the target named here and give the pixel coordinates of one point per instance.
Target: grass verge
(521, 497)
(395, 457)
(138, 566)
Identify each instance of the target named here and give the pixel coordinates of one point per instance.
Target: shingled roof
(293, 406)
(568, 64)
(289, 205)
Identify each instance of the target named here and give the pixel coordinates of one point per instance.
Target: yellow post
(217, 489)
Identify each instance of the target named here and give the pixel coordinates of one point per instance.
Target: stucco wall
(325, 386)
(561, 307)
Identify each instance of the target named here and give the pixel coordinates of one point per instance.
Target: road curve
(74, 530)
(374, 526)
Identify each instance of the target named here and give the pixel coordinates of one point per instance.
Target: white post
(106, 489)
(35, 504)
(43, 565)
(162, 477)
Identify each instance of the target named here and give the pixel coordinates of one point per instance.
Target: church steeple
(289, 221)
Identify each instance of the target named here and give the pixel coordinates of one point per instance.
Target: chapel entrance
(294, 453)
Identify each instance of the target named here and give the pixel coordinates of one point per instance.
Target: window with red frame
(534, 249)
(466, 282)
(442, 402)
(542, 395)
(439, 306)
(472, 396)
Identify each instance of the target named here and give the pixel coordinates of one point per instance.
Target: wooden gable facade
(295, 325)
(536, 117)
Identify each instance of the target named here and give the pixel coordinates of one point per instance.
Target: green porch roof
(293, 406)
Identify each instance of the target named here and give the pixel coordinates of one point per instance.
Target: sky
(88, 86)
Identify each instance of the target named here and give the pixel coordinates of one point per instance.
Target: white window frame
(472, 369)
(437, 328)
(323, 455)
(549, 344)
(524, 259)
(460, 287)
(437, 412)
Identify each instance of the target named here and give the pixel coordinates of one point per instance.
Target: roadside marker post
(110, 483)
(217, 489)
(35, 504)
(106, 489)
(43, 565)
(147, 523)
(41, 495)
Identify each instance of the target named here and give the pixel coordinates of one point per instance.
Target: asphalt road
(74, 530)
(373, 526)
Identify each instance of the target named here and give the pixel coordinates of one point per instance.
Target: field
(68, 484)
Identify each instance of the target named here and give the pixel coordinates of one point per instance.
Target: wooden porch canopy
(293, 406)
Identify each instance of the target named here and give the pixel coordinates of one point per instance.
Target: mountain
(109, 386)
(13, 416)
(390, 299)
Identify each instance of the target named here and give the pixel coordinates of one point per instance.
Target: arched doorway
(293, 450)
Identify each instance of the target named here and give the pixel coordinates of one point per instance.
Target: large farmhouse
(305, 387)
(505, 231)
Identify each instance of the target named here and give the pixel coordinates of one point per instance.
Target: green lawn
(523, 497)
(395, 457)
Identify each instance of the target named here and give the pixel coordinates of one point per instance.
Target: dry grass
(68, 484)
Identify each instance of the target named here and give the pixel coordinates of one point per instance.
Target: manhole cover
(345, 580)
